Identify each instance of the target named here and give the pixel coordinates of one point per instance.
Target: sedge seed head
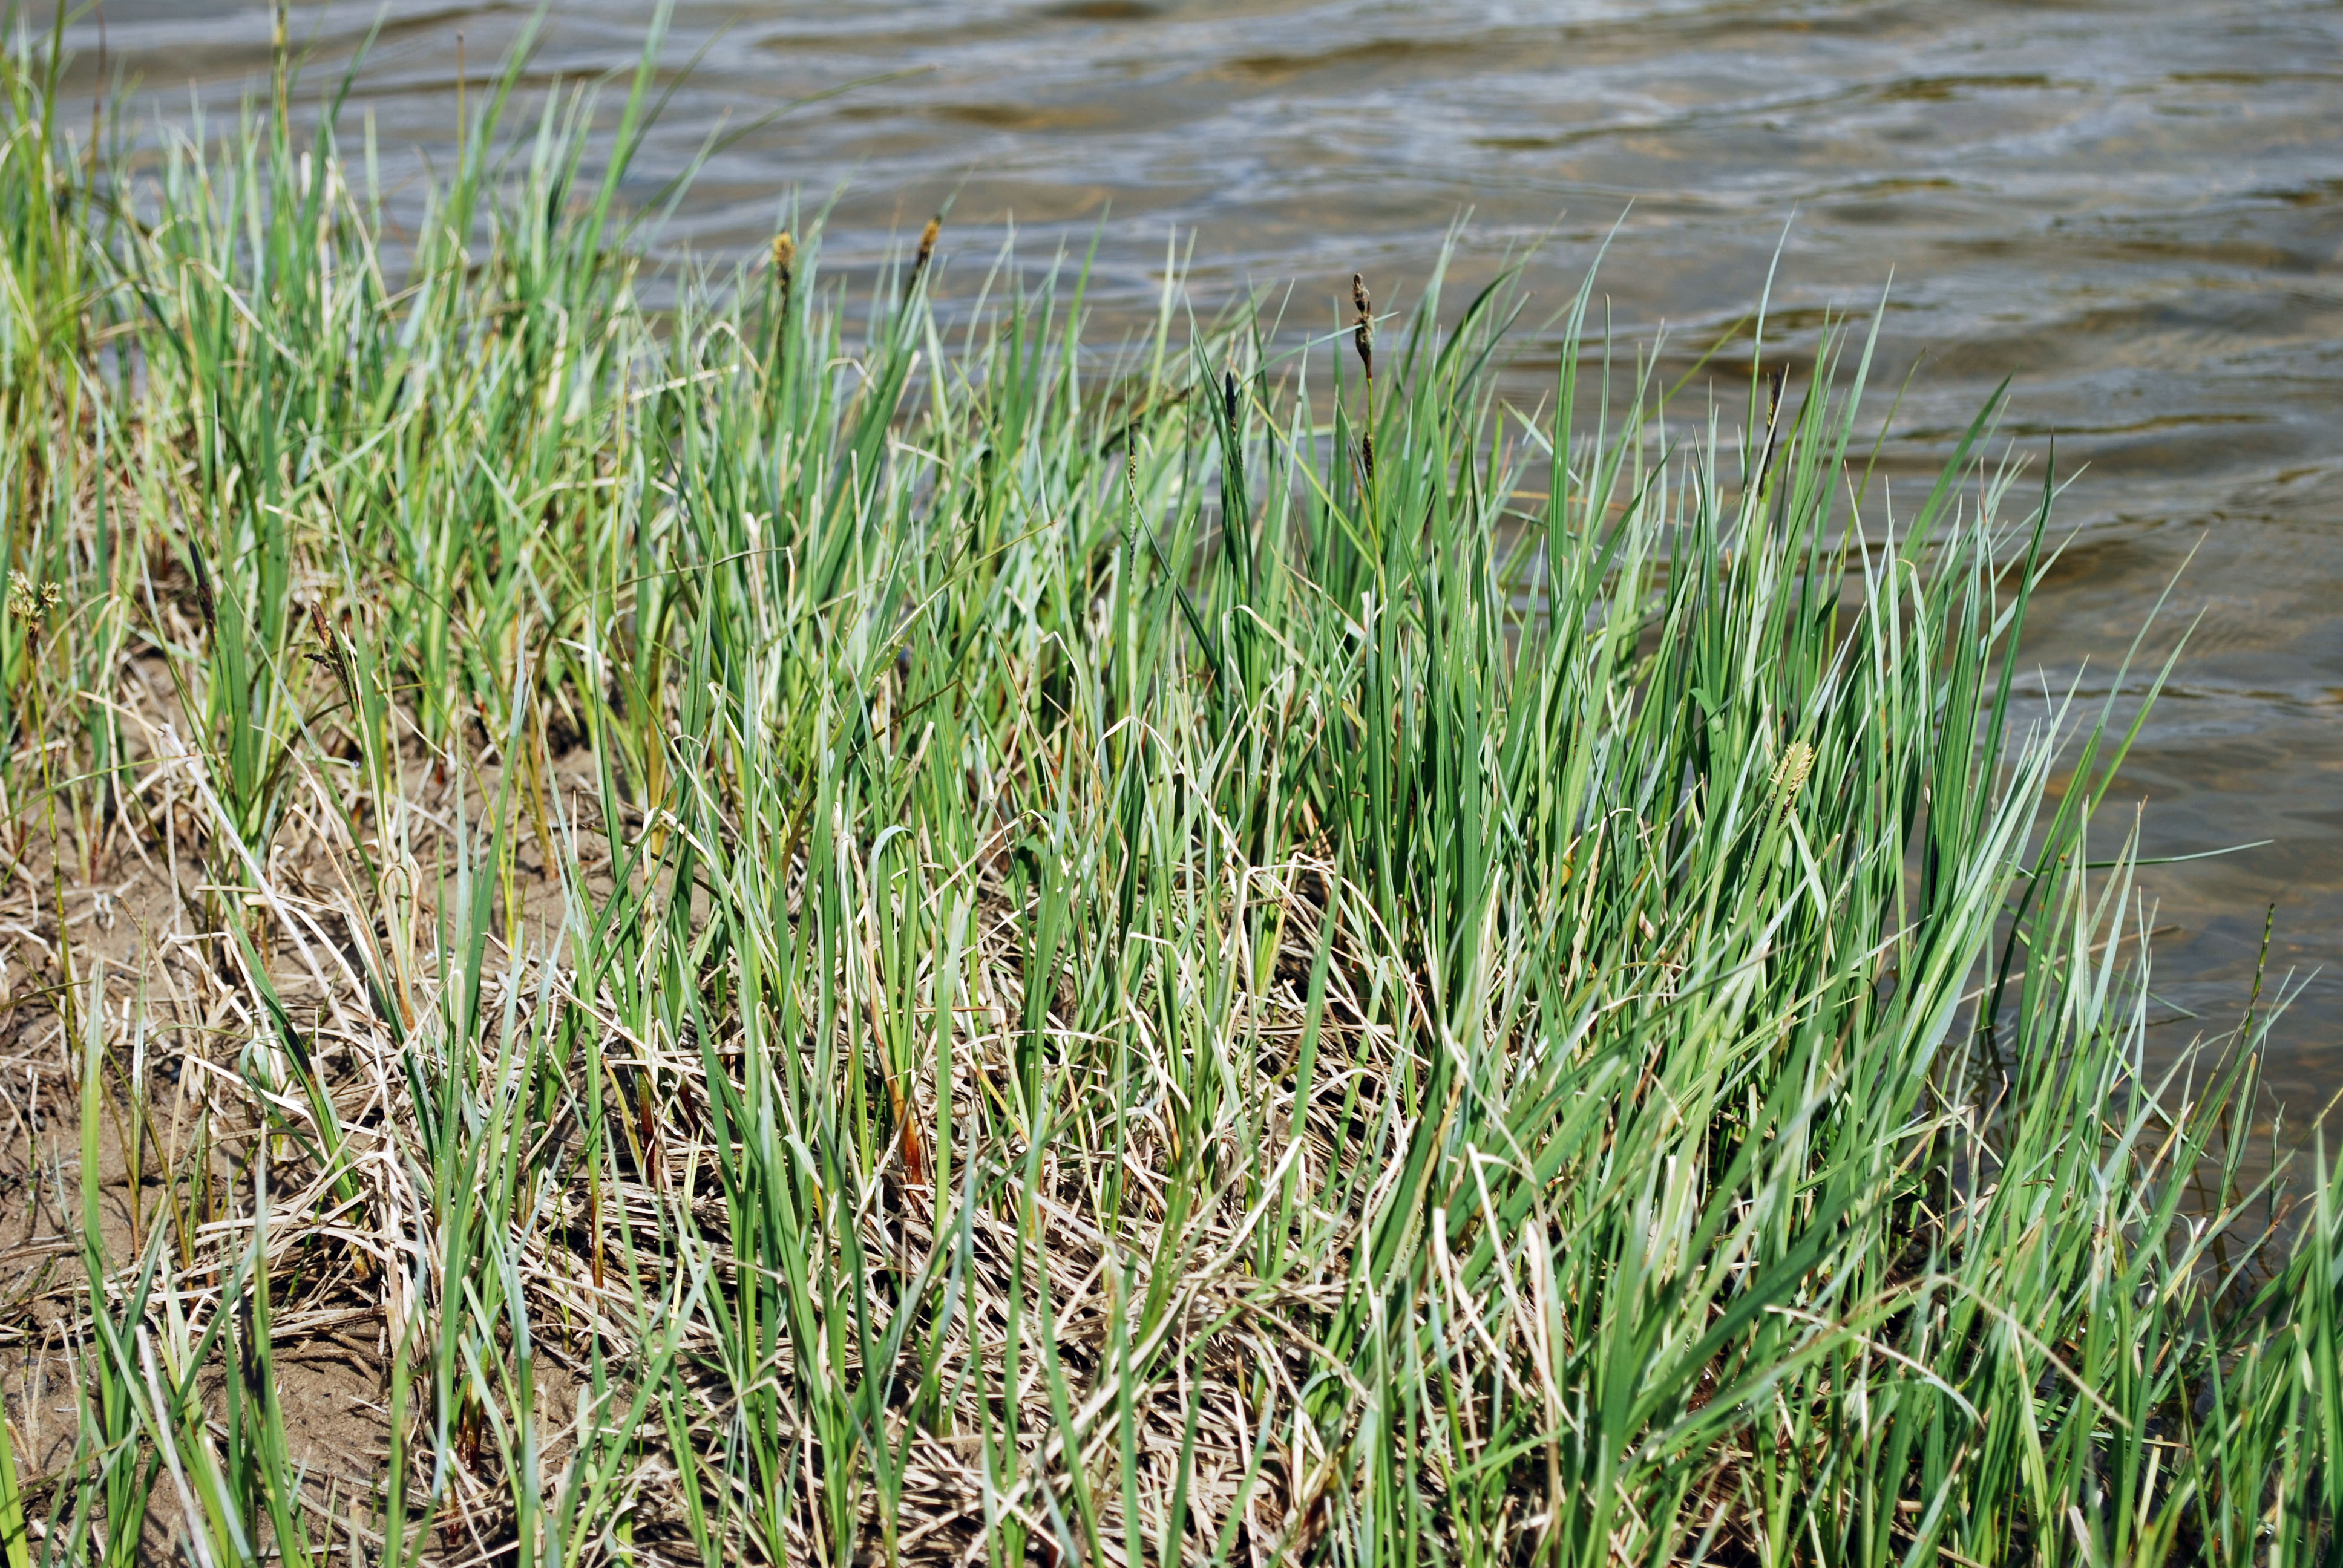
(1790, 773)
(1130, 487)
(28, 600)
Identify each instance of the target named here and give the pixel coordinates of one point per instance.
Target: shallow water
(2134, 208)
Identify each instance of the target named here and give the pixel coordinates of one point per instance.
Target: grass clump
(776, 929)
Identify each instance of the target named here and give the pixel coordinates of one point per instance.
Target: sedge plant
(803, 927)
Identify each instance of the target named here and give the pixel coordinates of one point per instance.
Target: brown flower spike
(926, 252)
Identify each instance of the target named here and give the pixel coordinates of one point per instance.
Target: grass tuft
(786, 930)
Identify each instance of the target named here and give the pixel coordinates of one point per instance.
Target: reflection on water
(2135, 207)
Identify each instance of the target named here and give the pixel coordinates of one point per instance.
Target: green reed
(839, 933)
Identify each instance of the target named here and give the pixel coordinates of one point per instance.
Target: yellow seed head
(1790, 773)
(28, 600)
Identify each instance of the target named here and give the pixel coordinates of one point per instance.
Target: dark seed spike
(1772, 414)
(203, 587)
(332, 655)
(1229, 395)
(1362, 337)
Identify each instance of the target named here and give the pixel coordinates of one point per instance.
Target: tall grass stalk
(804, 929)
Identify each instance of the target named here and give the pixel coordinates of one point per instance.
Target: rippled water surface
(2136, 209)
